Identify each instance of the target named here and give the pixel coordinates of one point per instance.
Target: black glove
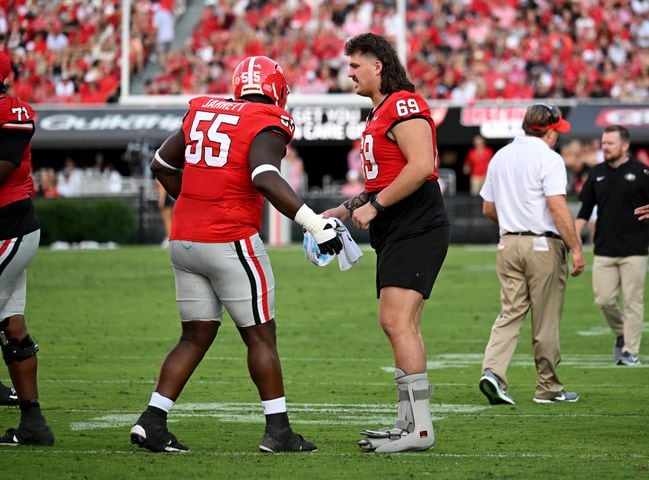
(328, 239)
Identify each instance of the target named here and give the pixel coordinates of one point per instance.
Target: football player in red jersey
(19, 238)
(403, 208)
(219, 166)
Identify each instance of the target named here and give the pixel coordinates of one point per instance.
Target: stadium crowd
(457, 50)
(69, 50)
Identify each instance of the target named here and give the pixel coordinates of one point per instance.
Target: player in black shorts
(403, 208)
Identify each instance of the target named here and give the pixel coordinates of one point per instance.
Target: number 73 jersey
(381, 157)
(218, 202)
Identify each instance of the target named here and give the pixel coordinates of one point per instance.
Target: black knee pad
(15, 350)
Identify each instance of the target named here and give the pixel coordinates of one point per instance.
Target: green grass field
(105, 320)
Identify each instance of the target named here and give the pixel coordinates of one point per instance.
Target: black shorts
(412, 262)
(411, 239)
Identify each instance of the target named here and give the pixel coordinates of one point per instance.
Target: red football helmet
(263, 76)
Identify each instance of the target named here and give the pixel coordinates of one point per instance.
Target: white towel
(348, 256)
(351, 253)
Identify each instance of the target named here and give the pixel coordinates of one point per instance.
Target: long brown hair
(393, 76)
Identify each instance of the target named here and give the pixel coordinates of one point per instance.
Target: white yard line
(603, 330)
(445, 360)
(310, 414)
(301, 413)
(338, 382)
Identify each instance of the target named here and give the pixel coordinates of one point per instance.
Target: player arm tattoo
(356, 201)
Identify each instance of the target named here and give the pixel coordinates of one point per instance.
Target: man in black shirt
(618, 186)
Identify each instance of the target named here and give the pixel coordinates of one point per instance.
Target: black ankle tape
(277, 419)
(27, 404)
(29, 408)
(157, 411)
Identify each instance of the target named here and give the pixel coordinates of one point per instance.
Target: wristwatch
(375, 203)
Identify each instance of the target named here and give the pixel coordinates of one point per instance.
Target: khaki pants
(475, 184)
(616, 278)
(532, 273)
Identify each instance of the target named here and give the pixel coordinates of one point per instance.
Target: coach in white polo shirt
(525, 194)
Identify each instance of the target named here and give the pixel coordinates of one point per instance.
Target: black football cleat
(283, 439)
(150, 432)
(36, 433)
(8, 396)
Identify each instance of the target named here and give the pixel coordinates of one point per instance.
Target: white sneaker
(490, 387)
(629, 360)
(561, 397)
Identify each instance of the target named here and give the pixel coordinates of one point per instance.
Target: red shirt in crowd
(478, 160)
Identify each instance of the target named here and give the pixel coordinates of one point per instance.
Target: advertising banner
(113, 126)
